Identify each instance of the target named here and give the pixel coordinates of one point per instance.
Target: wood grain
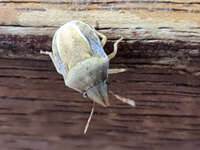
(156, 20)
(159, 32)
(160, 50)
(37, 111)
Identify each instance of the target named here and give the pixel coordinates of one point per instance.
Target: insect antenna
(89, 119)
(123, 99)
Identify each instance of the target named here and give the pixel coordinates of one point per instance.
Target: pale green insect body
(79, 57)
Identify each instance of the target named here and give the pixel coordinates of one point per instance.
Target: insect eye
(85, 94)
(106, 82)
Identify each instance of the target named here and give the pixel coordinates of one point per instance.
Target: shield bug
(78, 55)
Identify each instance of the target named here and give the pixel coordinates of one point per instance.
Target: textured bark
(160, 51)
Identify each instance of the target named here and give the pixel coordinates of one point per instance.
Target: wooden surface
(156, 20)
(158, 32)
(161, 52)
(37, 111)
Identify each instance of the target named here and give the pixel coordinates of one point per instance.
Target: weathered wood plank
(173, 54)
(160, 51)
(165, 20)
(155, 32)
(36, 115)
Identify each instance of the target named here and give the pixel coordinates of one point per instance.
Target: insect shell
(78, 55)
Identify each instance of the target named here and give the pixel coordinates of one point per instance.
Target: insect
(78, 55)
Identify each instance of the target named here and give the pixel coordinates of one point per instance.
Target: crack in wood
(31, 9)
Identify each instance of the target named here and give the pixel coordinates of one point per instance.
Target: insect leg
(104, 38)
(117, 70)
(53, 60)
(112, 55)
